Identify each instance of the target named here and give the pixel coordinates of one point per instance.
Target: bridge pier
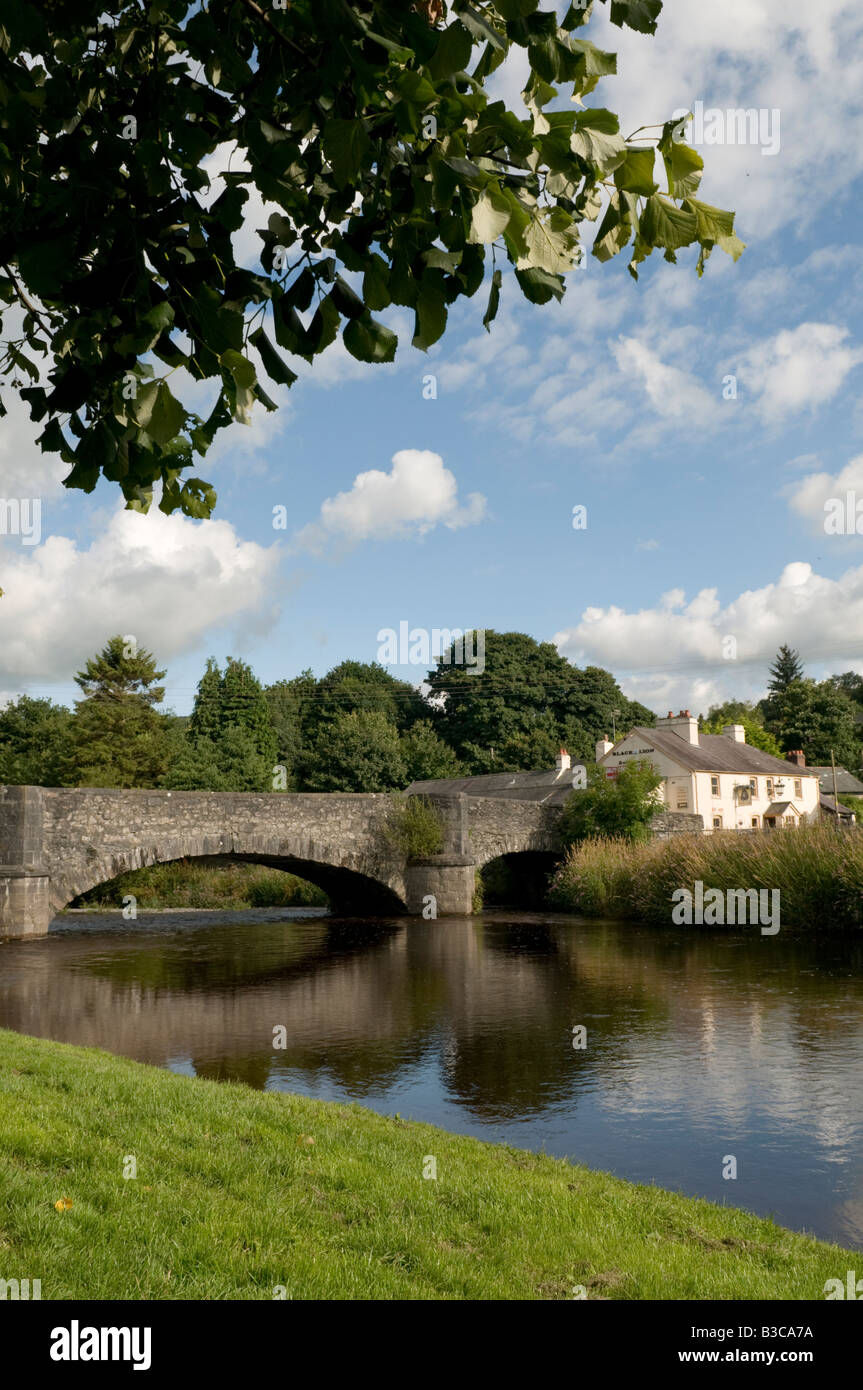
(445, 883)
(25, 908)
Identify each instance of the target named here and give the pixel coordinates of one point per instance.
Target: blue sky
(705, 515)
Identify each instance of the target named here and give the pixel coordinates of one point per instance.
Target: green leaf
(664, 224)
(551, 241)
(243, 378)
(640, 15)
(376, 283)
(490, 215)
(479, 26)
(636, 172)
(493, 301)
(155, 410)
(453, 52)
(274, 366)
(345, 300)
(431, 314)
(539, 285)
(683, 165)
(615, 229)
(596, 138)
(369, 341)
(346, 146)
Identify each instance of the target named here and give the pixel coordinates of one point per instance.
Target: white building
(719, 777)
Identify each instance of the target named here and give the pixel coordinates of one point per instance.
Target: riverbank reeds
(817, 869)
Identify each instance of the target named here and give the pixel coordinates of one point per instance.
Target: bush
(414, 827)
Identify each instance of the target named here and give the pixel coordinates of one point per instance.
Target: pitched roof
(543, 785)
(845, 781)
(718, 753)
(829, 805)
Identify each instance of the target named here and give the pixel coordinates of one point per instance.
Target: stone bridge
(58, 842)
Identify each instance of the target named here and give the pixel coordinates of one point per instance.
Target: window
(714, 786)
(754, 822)
(789, 820)
(753, 787)
(770, 787)
(717, 822)
(798, 787)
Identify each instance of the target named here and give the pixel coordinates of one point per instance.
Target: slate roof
(717, 753)
(543, 785)
(829, 805)
(845, 781)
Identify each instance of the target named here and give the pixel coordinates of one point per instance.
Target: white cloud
(798, 369)
(167, 580)
(417, 494)
(672, 392)
(677, 649)
(808, 497)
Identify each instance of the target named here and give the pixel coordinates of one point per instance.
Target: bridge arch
(343, 876)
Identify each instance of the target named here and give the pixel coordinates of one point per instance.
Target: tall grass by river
(818, 870)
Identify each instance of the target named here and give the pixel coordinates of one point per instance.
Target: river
(700, 1046)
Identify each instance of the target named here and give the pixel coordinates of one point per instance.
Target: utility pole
(835, 793)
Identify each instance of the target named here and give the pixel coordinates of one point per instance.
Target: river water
(700, 1046)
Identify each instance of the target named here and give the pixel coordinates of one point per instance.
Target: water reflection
(699, 1045)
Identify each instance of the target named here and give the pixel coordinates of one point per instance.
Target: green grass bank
(239, 1192)
(818, 871)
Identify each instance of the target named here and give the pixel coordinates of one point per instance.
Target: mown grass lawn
(239, 1192)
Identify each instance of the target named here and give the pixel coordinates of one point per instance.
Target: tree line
(358, 728)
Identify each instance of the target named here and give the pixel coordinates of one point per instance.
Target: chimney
(603, 746)
(563, 761)
(798, 757)
(735, 731)
(681, 724)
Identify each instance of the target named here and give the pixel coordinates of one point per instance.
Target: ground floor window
(754, 822)
(717, 822)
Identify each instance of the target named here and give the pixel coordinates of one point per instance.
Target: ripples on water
(698, 1045)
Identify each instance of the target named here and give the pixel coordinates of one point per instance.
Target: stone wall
(665, 824)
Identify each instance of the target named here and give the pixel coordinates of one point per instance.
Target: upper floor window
(714, 786)
(753, 786)
(798, 786)
(770, 787)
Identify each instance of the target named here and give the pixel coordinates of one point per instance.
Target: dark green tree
(357, 752)
(115, 736)
(206, 720)
(231, 763)
(426, 755)
(368, 124)
(293, 707)
(786, 669)
(526, 703)
(121, 672)
(816, 717)
(243, 705)
(619, 806)
(33, 736)
(367, 686)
